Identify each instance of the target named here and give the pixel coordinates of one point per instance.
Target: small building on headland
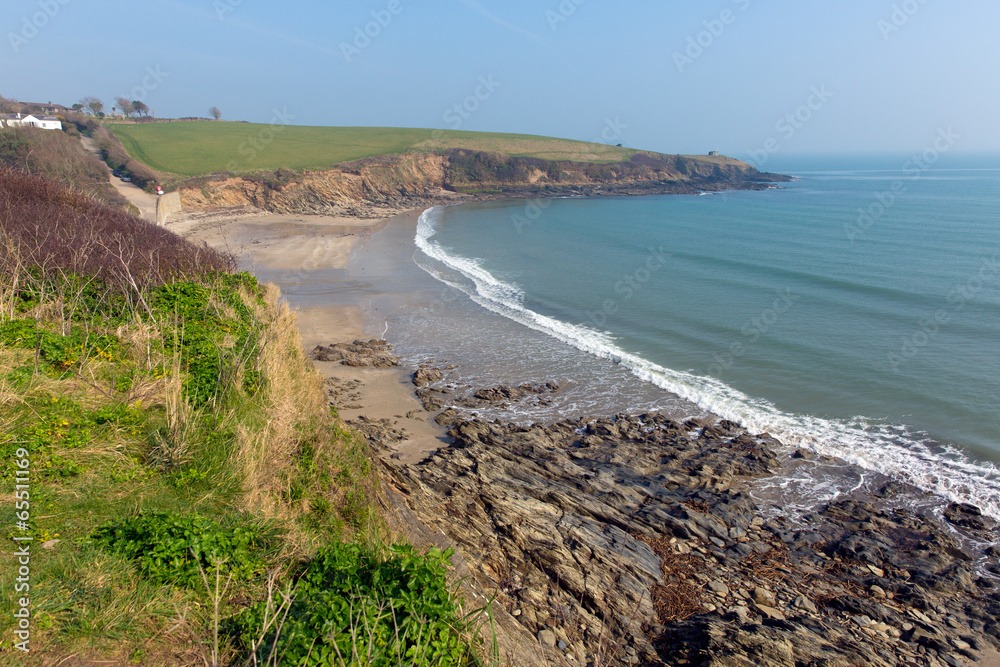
(30, 120)
(45, 108)
(713, 153)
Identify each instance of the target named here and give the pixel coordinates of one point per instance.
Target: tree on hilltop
(140, 107)
(125, 106)
(95, 105)
(216, 114)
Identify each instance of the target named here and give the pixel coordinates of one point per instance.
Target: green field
(203, 147)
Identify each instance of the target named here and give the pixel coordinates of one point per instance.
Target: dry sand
(311, 243)
(277, 241)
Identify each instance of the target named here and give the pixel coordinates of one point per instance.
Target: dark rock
(424, 376)
(967, 516)
(504, 393)
(381, 433)
(373, 352)
(430, 398)
(447, 417)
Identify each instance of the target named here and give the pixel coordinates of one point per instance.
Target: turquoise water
(855, 311)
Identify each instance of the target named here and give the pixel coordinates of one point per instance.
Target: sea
(853, 313)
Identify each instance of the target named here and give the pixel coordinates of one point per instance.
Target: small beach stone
(804, 603)
(769, 612)
(547, 638)
(718, 588)
(763, 596)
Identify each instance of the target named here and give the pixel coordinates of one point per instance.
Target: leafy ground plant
(354, 606)
(172, 549)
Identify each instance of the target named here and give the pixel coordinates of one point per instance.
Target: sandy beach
(279, 242)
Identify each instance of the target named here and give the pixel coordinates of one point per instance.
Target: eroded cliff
(364, 187)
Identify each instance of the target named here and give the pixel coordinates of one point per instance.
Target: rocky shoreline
(633, 540)
(376, 187)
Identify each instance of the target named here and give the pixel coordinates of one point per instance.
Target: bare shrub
(48, 231)
(58, 157)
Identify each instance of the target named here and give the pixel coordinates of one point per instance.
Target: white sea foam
(869, 444)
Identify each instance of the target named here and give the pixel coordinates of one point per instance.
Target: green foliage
(352, 606)
(215, 348)
(89, 381)
(187, 300)
(59, 351)
(169, 549)
(275, 180)
(480, 167)
(52, 427)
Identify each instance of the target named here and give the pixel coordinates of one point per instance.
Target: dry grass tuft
(172, 445)
(293, 402)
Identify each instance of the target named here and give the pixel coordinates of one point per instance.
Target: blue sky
(743, 76)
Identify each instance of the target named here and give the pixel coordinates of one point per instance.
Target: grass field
(203, 147)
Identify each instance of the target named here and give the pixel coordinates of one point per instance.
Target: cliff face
(400, 180)
(378, 181)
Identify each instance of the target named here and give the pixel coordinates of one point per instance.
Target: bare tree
(95, 105)
(125, 106)
(216, 114)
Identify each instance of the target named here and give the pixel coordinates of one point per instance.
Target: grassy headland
(203, 147)
(189, 495)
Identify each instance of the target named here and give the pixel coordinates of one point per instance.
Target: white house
(43, 122)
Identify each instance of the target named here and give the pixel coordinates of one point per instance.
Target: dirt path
(145, 202)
